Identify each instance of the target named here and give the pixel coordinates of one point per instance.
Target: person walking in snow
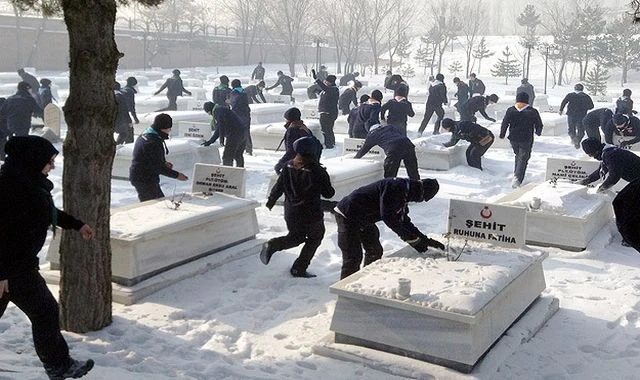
(348, 96)
(231, 132)
(463, 92)
(577, 103)
(258, 72)
(27, 212)
(527, 87)
(303, 181)
(480, 138)
(284, 81)
(436, 98)
(328, 107)
(239, 102)
(295, 129)
(174, 88)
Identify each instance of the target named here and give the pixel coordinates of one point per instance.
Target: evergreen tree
(619, 47)
(424, 54)
(481, 52)
(455, 67)
(530, 20)
(596, 80)
(506, 67)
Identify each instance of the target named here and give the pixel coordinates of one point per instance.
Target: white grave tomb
(351, 146)
(151, 237)
(269, 136)
(277, 98)
(265, 113)
(560, 214)
(451, 312)
(209, 179)
(183, 154)
(433, 155)
(309, 109)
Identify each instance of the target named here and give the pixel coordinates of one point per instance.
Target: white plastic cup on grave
(404, 288)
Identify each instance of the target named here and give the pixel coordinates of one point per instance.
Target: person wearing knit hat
(522, 121)
(149, 162)
(27, 212)
(44, 94)
(174, 88)
(328, 107)
(368, 115)
(18, 109)
(626, 129)
(231, 131)
(303, 181)
(295, 129)
(353, 114)
(527, 88)
(398, 110)
(616, 164)
(578, 103)
(129, 91)
(385, 200)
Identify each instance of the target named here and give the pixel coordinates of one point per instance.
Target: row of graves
(450, 312)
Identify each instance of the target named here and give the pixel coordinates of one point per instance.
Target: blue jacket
(148, 161)
(616, 163)
(17, 111)
(368, 115)
(387, 137)
(522, 123)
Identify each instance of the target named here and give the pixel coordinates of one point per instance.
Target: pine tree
(455, 67)
(506, 67)
(596, 80)
(481, 52)
(424, 55)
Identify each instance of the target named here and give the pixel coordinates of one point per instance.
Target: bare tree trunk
(19, 62)
(85, 284)
(36, 42)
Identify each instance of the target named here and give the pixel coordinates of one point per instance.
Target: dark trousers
(4, 135)
(428, 112)
(475, 152)
(327, 122)
(593, 132)
(126, 136)
(173, 104)
(246, 124)
(310, 234)
(148, 190)
(234, 150)
(575, 128)
(352, 237)
(29, 292)
(522, 150)
(406, 154)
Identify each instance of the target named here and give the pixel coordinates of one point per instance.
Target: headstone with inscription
(177, 116)
(53, 118)
(209, 179)
(195, 129)
(568, 169)
(352, 146)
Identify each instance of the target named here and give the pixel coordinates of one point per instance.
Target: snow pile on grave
(462, 286)
(562, 198)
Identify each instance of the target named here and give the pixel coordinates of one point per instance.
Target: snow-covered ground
(245, 320)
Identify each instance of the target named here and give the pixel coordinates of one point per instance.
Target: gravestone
(53, 118)
(568, 169)
(209, 179)
(351, 146)
(195, 129)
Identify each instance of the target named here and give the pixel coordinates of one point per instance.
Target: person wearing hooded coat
(149, 162)
(303, 181)
(231, 130)
(522, 121)
(480, 138)
(27, 212)
(616, 164)
(626, 207)
(174, 88)
(397, 148)
(385, 200)
(622, 125)
(578, 104)
(18, 109)
(295, 129)
(596, 120)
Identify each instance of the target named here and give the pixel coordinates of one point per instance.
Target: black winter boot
(74, 369)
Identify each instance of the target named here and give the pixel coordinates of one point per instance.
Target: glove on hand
(420, 245)
(270, 203)
(206, 143)
(313, 74)
(538, 133)
(584, 182)
(435, 244)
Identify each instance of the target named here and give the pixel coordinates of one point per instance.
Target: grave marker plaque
(210, 179)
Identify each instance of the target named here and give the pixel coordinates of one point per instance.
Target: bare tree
(347, 35)
(247, 16)
(398, 24)
(473, 13)
(377, 12)
(446, 25)
(150, 21)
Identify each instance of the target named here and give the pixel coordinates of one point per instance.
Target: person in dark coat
(27, 212)
(322, 74)
(313, 91)
(231, 130)
(622, 125)
(149, 162)
(295, 129)
(34, 86)
(397, 148)
(480, 138)
(399, 109)
(368, 115)
(577, 103)
(596, 120)
(328, 107)
(616, 164)
(349, 77)
(348, 96)
(44, 94)
(221, 92)
(258, 72)
(239, 102)
(255, 91)
(626, 206)
(284, 81)
(130, 92)
(476, 86)
(624, 104)
(522, 121)
(123, 125)
(385, 200)
(387, 81)
(527, 87)
(303, 181)
(4, 132)
(18, 109)
(353, 114)
(475, 104)
(174, 88)
(463, 92)
(436, 98)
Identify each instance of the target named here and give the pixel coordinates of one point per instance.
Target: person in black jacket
(622, 125)
(463, 92)
(476, 86)
(295, 129)
(231, 130)
(328, 107)
(149, 162)
(258, 72)
(302, 181)
(18, 109)
(27, 212)
(577, 103)
(349, 77)
(130, 92)
(123, 125)
(255, 91)
(480, 138)
(384, 200)
(348, 96)
(626, 206)
(44, 94)
(595, 120)
(239, 102)
(624, 104)
(475, 104)
(616, 164)
(522, 121)
(397, 147)
(221, 92)
(368, 115)
(285, 82)
(174, 88)
(353, 114)
(399, 108)
(436, 98)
